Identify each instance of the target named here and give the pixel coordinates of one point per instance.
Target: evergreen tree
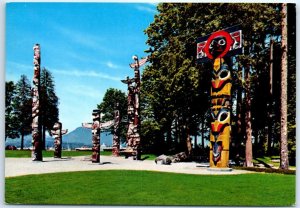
(22, 103)
(173, 83)
(48, 103)
(11, 125)
(284, 160)
(107, 107)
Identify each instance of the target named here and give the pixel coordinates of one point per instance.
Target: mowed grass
(49, 153)
(120, 187)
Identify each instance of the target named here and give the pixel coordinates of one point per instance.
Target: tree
(173, 82)
(107, 106)
(11, 125)
(291, 83)
(284, 160)
(23, 107)
(48, 103)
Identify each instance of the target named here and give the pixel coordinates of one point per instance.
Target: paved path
(24, 166)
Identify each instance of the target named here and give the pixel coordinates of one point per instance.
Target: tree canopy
(175, 89)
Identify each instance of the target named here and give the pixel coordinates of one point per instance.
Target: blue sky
(86, 46)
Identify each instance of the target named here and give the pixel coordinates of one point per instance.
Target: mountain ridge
(76, 138)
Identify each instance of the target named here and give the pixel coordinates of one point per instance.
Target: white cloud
(91, 73)
(84, 90)
(17, 66)
(112, 65)
(146, 9)
(84, 39)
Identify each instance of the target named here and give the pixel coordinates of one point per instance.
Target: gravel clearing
(25, 166)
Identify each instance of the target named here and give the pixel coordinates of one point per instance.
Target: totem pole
(95, 126)
(130, 116)
(116, 138)
(57, 132)
(36, 126)
(134, 123)
(216, 47)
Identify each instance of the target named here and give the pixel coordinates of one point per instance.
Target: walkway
(24, 166)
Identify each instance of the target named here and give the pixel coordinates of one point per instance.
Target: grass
(48, 153)
(117, 187)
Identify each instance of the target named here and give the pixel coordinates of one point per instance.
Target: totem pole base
(220, 169)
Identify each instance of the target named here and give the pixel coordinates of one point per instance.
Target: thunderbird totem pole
(36, 126)
(116, 138)
(57, 132)
(216, 48)
(133, 109)
(95, 126)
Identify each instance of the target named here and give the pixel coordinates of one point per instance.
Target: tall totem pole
(36, 125)
(95, 126)
(215, 48)
(133, 110)
(116, 138)
(57, 132)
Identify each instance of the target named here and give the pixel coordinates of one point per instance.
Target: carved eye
(222, 42)
(223, 116)
(224, 74)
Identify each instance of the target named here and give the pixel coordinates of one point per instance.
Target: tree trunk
(248, 149)
(202, 132)
(22, 141)
(195, 142)
(269, 126)
(188, 141)
(44, 138)
(284, 162)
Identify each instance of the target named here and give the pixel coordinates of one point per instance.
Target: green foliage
(108, 106)
(175, 90)
(11, 124)
(151, 188)
(48, 101)
(22, 105)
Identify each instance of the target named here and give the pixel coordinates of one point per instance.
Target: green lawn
(48, 153)
(151, 188)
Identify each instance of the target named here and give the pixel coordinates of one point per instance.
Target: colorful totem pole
(95, 126)
(116, 138)
(57, 133)
(36, 126)
(133, 110)
(216, 47)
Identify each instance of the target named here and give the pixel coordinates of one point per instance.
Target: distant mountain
(84, 136)
(76, 138)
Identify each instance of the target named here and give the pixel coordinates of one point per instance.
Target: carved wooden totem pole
(57, 133)
(95, 126)
(116, 138)
(133, 110)
(36, 126)
(216, 47)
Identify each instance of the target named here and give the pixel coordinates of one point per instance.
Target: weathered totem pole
(36, 125)
(95, 126)
(216, 47)
(57, 133)
(133, 110)
(116, 138)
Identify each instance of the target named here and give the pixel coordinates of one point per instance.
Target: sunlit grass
(120, 187)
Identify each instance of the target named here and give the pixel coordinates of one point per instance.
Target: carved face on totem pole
(213, 48)
(220, 100)
(220, 132)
